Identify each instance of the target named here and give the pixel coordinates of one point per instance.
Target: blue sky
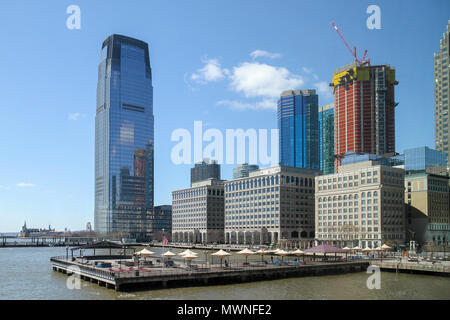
(200, 53)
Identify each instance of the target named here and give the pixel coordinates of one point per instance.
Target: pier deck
(437, 268)
(157, 277)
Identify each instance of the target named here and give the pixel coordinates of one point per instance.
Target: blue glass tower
(299, 129)
(124, 139)
(422, 158)
(326, 128)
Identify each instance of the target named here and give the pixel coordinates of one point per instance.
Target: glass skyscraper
(422, 158)
(441, 94)
(326, 136)
(124, 139)
(299, 129)
(204, 170)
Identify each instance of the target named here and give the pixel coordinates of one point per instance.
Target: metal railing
(113, 273)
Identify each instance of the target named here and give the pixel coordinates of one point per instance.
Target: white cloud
(262, 53)
(306, 70)
(266, 104)
(263, 80)
(323, 88)
(74, 116)
(25, 185)
(210, 72)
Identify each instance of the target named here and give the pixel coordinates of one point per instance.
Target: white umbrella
(246, 252)
(187, 251)
(169, 254)
(298, 252)
(190, 256)
(385, 247)
(281, 253)
(346, 248)
(221, 254)
(145, 253)
(356, 248)
(378, 249)
(261, 252)
(366, 249)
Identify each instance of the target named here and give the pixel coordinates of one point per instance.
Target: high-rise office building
(204, 170)
(326, 137)
(243, 170)
(198, 212)
(299, 129)
(272, 205)
(427, 206)
(361, 205)
(124, 139)
(364, 109)
(441, 92)
(423, 158)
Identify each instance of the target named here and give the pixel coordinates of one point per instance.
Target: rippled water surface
(25, 273)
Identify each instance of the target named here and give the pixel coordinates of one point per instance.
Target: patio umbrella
(144, 253)
(187, 251)
(246, 252)
(346, 248)
(356, 248)
(281, 253)
(298, 252)
(221, 254)
(190, 256)
(385, 247)
(378, 249)
(261, 252)
(169, 254)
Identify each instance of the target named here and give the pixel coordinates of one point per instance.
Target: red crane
(352, 52)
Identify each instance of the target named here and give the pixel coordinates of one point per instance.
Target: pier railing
(160, 271)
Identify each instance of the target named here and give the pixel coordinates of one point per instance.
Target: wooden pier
(437, 268)
(162, 277)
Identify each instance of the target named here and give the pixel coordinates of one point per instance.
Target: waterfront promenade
(152, 276)
(438, 268)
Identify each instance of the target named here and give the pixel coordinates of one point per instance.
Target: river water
(26, 273)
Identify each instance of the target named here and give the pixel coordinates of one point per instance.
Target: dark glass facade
(299, 129)
(326, 145)
(124, 139)
(204, 170)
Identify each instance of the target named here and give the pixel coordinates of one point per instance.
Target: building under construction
(364, 109)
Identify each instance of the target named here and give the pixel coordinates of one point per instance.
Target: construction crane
(361, 62)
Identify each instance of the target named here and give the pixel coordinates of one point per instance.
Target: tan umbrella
(378, 249)
(281, 253)
(187, 251)
(169, 254)
(246, 252)
(144, 253)
(346, 248)
(190, 256)
(366, 249)
(221, 254)
(261, 252)
(356, 248)
(385, 247)
(298, 252)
